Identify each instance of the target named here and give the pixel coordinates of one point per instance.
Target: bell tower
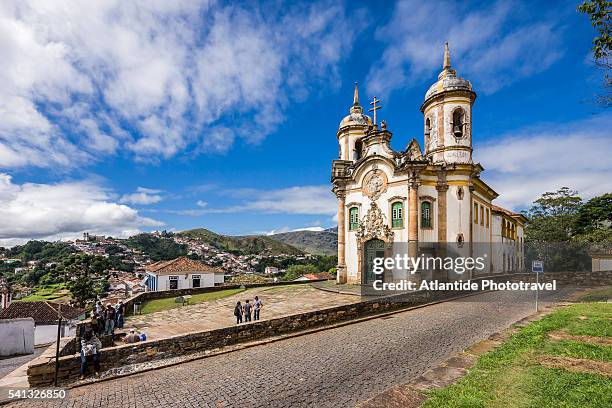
(352, 130)
(447, 116)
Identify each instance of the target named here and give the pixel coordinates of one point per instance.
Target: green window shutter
(353, 218)
(397, 215)
(426, 214)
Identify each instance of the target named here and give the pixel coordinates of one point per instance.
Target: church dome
(356, 115)
(355, 118)
(449, 83)
(447, 79)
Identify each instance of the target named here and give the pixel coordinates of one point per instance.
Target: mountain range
(291, 243)
(313, 242)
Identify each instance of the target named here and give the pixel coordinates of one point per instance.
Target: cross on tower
(375, 107)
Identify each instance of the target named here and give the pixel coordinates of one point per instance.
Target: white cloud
(293, 200)
(81, 80)
(142, 196)
(287, 229)
(62, 210)
(522, 165)
(492, 45)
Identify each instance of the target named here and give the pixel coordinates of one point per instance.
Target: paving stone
(278, 301)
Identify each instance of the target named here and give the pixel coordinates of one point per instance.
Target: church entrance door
(374, 248)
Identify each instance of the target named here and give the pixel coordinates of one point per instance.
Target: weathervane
(375, 107)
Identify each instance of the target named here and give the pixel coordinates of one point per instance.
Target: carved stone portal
(373, 225)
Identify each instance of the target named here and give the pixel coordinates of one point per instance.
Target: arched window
(426, 214)
(458, 122)
(358, 150)
(397, 214)
(353, 218)
(427, 127)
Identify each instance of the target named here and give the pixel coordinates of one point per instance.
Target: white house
(271, 270)
(45, 315)
(601, 260)
(182, 273)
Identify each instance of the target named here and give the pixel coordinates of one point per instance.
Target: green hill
(251, 244)
(314, 242)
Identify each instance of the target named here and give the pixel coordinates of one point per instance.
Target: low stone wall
(599, 278)
(69, 347)
(41, 373)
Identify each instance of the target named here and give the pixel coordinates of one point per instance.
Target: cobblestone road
(333, 368)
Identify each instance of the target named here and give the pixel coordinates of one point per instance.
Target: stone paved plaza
(278, 301)
(333, 368)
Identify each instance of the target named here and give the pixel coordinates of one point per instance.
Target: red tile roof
(41, 312)
(180, 265)
(512, 214)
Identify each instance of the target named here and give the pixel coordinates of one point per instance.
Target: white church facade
(393, 202)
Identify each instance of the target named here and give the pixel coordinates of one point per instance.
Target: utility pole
(57, 345)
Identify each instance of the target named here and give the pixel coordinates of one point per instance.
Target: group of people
(104, 320)
(244, 311)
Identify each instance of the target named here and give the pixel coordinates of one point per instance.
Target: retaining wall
(41, 373)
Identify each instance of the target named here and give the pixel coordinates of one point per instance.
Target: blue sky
(118, 117)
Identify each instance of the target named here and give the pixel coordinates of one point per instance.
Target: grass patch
(56, 291)
(510, 376)
(158, 305)
(593, 326)
(559, 388)
(571, 348)
(597, 295)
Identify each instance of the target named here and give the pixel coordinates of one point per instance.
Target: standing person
(247, 311)
(101, 324)
(95, 322)
(120, 314)
(90, 346)
(256, 308)
(109, 317)
(99, 308)
(238, 312)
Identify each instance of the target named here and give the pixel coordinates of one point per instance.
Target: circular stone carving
(375, 184)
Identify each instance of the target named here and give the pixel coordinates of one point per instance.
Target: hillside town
(128, 275)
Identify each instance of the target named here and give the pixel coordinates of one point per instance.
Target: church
(404, 202)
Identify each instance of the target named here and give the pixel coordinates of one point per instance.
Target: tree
(561, 229)
(594, 214)
(599, 14)
(593, 222)
(83, 289)
(159, 249)
(551, 218)
(295, 271)
(85, 276)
